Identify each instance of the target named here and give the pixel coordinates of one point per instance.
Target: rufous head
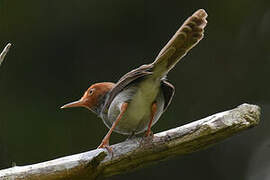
(92, 96)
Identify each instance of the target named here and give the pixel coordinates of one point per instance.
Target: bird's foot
(105, 144)
(148, 133)
(147, 138)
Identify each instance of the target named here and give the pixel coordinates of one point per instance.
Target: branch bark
(4, 52)
(137, 152)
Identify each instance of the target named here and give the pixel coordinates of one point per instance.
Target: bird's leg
(106, 139)
(153, 112)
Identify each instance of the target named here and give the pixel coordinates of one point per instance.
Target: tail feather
(187, 36)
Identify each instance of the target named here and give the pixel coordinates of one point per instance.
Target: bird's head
(92, 96)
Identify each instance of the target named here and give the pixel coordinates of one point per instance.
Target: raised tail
(187, 36)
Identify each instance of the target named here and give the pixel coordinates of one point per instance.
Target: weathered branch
(4, 52)
(137, 152)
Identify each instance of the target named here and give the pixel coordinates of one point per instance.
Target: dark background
(61, 47)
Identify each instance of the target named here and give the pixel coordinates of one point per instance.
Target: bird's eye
(91, 91)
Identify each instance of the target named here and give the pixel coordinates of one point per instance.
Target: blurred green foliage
(61, 47)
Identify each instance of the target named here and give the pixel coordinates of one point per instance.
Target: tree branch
(4, 52)
(137, 152)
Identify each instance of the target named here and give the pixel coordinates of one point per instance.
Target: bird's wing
(125, 80)
(187, 36)
(168, 92)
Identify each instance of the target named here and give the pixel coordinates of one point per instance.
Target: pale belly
(138, 114)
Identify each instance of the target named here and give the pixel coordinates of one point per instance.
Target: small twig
(4, 52)
(132, 154)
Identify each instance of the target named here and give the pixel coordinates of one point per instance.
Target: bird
(134, 104)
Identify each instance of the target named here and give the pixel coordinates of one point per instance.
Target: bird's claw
(106, 146)
(147, 138)
(148, 133)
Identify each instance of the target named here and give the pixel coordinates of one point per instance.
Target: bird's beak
(78, 103)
